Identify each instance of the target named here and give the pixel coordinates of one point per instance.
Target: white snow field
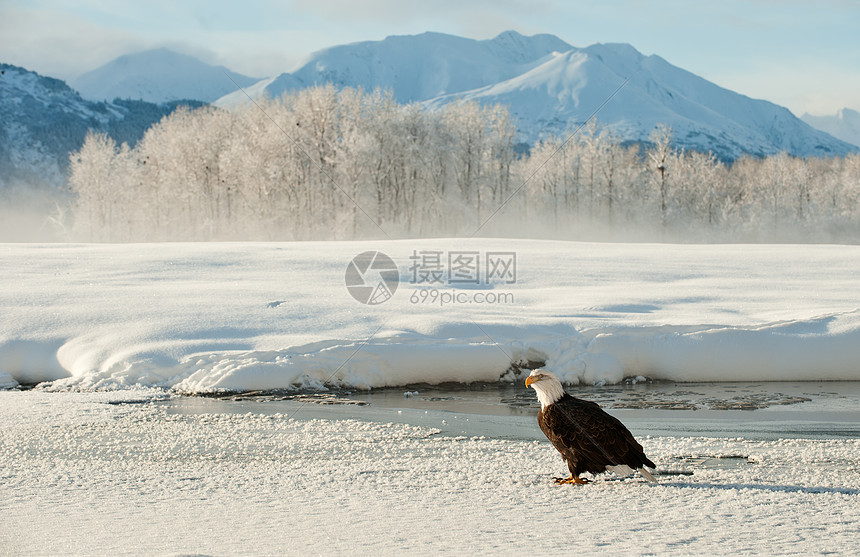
(81, 474)
(249, 316)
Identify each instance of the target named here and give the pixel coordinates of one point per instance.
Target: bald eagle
(589, 439)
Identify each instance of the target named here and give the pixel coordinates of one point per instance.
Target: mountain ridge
(158, 75)
(551, 87)
(844, 125)
(44, 120)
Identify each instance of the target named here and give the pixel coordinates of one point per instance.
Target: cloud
(60, 44)
(401, 11)
(476, 18)
(64, 45)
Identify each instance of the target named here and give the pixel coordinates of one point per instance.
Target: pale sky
(801, 54)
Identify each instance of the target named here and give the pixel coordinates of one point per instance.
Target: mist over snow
(360, 165)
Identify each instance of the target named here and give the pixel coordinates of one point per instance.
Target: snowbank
(7, 381)
(236, 316)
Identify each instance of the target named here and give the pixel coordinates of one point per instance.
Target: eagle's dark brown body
(588, 438)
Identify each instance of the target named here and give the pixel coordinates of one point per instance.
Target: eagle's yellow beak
(533, 378)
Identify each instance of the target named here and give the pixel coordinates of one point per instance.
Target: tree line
(324, 163)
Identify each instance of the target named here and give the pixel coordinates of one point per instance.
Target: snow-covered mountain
(565, 88)
(413, 67)
(844, 125)
(42, 120)
(158, 76)
(552, 87)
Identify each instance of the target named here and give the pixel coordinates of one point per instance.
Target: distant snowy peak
(844, 125)
(565, 89)
(158, 76)
(519, 49)
(424, 66)
(552, 87)
(415, 67)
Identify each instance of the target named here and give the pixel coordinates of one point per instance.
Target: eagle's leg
(571, 480)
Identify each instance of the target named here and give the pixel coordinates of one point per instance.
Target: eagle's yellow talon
(571, 480)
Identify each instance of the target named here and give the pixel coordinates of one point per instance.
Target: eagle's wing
(595, 439)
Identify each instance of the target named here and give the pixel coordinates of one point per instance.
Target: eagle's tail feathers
(620, 469)
(647, 475)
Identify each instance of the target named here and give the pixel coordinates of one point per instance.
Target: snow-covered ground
(142, 470)
(201, 317)
(84, 474)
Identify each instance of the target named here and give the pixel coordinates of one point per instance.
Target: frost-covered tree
(324, 163)
(96, 175)
(661, 154)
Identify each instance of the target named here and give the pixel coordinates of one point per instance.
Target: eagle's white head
(546, 385)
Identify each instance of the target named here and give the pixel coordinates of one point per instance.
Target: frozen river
(814, 410)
